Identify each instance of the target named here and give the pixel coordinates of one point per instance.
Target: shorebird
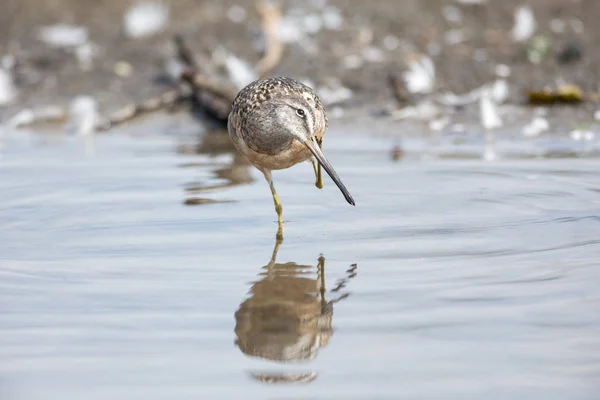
(277, 123)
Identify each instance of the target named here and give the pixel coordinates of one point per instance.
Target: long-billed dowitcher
(277, 123)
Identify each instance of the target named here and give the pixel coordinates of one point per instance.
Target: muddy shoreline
(349, 57)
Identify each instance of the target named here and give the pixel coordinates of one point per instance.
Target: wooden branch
(271, 17)
(211, 96)
(184, 53)
(167, 99)
(206, 94)
(199, 81)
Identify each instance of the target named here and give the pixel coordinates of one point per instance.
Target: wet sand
(48, 76)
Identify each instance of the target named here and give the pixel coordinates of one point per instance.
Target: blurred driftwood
(271, 17)
(195, 84)
(211, 95)
(168, 99)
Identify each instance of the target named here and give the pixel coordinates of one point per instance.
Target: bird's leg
(269, 266)
(278, 207)
(279, 210)
(317, 168)
(275, 251)
(321, 274)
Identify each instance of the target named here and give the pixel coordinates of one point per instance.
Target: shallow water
(143, 267)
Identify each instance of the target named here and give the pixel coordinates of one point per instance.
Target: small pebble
(576, 134)
(454, 36)
(597, 115)
(145, 19)
(525, 24)
(502, 70)
(439, 124)
(313, 24)
(332, 18)
(63, 35)
(536, 127)
(452, 14)
(85, 55)
(123, 69)
(84, 115)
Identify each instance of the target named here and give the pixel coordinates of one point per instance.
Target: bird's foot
(318, 175)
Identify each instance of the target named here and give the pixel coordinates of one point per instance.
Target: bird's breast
(291, 155)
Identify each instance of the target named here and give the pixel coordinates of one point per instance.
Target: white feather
(535, 127)
(420, 76)
(63, 35)
(488, 111)
(8, 90)
(145, 19)
(84, 115)
(525, 24)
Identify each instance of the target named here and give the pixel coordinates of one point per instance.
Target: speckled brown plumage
(249, 104)
(253, 95)
(277, 123)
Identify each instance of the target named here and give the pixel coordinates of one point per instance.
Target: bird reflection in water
(287, 317)
(237, 172)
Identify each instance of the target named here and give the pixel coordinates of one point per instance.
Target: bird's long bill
(316, 151)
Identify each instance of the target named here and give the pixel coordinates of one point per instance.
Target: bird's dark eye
(300, 113)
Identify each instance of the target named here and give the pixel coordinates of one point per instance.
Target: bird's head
(296, 115)
(299, 115)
